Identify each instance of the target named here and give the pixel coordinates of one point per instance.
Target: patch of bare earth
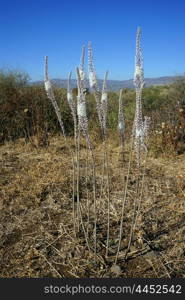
(36, 218)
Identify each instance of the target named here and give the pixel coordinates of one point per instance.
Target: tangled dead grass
(36, 222)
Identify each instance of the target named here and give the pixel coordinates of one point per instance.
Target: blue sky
(29, 30)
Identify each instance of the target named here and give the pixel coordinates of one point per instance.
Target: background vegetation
(26, 112)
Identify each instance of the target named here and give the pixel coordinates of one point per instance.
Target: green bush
(26, 110)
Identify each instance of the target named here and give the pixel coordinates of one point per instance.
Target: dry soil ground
(36, 222)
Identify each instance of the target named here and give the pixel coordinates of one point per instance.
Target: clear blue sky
(31, 29)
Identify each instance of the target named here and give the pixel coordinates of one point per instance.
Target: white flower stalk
(81, 67)
(72, 106)
(104, 102)
(92, 80)
(48, 88)
(121, 120)
(83, 125)
(92, 74)
(140, 128)
(140, 133)
(82, 71)
(69, 91)
(93, 83)
(70, 99)
(121, 130)
(81, 105)
(139, 83)
(139, 72)
(81, 110)
(50, 94)
(82, 74)
(104, 98)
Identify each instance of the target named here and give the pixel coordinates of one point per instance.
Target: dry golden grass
(36, 223)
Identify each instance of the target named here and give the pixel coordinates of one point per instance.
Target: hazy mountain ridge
(114, 85)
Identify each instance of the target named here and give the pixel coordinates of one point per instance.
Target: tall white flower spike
(104, 102)
(50, 94)
(121, 120)
(70, 98)
(92, 74)
(140, 128)
(81, 69)
(69, 91)
(93, 83)
(81, 105)
(139, 71)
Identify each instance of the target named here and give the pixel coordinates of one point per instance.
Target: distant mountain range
(114, 85)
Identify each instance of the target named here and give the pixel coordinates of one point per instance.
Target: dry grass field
(36, 222)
